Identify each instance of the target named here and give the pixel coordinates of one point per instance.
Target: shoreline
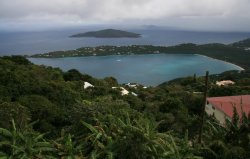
(241, 68)
(159, 55)
(228, 54)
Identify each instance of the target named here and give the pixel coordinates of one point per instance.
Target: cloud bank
(188, 14)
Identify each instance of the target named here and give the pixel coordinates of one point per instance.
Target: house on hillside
(222, 107)
(225, 83)
(87, 85)
(134, 85)
(122, 89)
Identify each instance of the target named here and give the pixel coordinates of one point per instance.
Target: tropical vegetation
(47, 113)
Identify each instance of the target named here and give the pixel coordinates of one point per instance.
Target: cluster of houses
(122, 89)
(222, 108)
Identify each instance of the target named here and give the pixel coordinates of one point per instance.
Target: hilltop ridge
(243, 43)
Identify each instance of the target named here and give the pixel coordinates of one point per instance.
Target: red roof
(226, 104)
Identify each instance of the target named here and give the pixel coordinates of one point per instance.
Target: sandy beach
(241, 68)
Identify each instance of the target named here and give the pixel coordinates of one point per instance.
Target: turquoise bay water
(149, 70)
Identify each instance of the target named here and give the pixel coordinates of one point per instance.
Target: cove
(149, 70)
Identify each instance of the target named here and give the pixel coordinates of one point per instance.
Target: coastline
(241, 68)
(131, 68)
(231, 55)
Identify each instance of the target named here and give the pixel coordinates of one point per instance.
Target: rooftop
(227, 104)
(224, 82)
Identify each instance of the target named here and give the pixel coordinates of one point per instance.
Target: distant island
(107, 33)
(233, 53)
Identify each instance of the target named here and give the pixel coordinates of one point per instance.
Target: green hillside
(47, 113)
(243, 43)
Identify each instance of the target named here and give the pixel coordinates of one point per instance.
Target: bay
(149, 70)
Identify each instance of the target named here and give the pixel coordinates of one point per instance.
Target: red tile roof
(226, 104)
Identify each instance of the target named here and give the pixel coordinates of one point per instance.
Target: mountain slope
(243, 43)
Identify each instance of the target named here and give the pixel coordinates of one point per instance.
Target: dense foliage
(243, 43)
(47, 113)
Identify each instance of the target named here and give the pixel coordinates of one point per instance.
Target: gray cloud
(190, 14)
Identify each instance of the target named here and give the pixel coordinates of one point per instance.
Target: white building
(131, 85)
(87, 85)
(224, 83)
(123, 90)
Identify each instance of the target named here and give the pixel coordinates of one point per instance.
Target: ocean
(149, 70)
(45, 41)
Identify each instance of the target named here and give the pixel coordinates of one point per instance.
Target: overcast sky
(212, 15)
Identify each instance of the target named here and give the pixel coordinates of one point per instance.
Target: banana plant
(24, 144)
(100, 142)
(67, 148)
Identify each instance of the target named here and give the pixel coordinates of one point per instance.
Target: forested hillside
(47, 113)
(243, 43)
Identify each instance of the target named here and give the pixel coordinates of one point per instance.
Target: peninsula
(230, 53)
(107, 33)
